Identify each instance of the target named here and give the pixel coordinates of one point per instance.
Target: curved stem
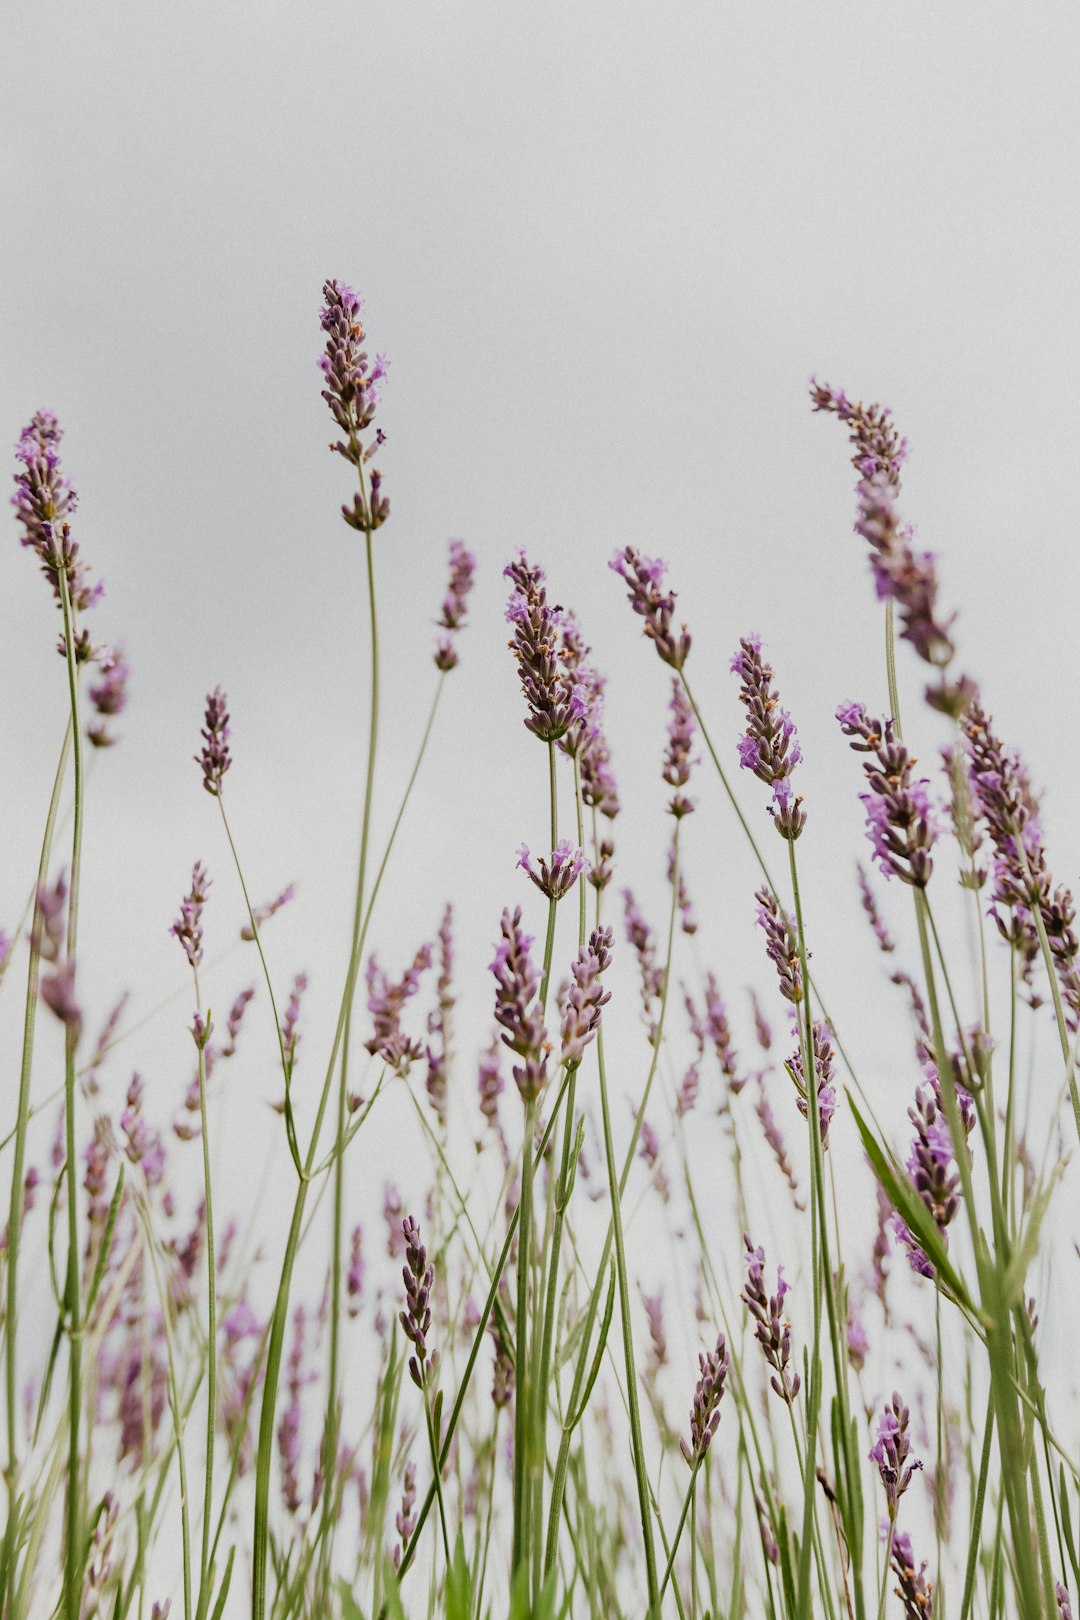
(211, 1336)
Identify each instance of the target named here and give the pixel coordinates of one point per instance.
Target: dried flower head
(215, 758)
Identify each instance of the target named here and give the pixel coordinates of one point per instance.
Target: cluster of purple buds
(586, 997)
(771, 1331)
(902, 574)
(502, 1379)
(44, 501)
(821, 1036)
(188, 927)
(602, 871)
(770, 746)
(1022, 884)
(517, 1006)
(587, 742)
(687, 916)
(554, 697)
(437, 1050)
(649, 1151)
(455, 602)
(640, 936)
(719, 1029)
(290, 1024)
(354, 1276)
(352, 392)
(108, 694)
(386, 1003)
(891, 1451)
(781, 944)
(416, 1317)
(705, 1412)
(289, 1424)
(677, 760)
(263, 913)
(915, 1592)
(654, 1315)
(143, 1144)
(215, 758)
(558, 872)
(878, 447)
(644, 577)
(405, 1520)
(855, 1337)
(931, 1164)
(57, 987)
(900, 821)
(774, 1137)
(1063, 1602)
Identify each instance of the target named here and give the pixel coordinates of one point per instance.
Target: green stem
(520, 1558)
(73, 1551)
(211, 1336)
(15, 1210)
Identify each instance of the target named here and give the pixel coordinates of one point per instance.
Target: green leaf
(459, 1595)
(350, 1609)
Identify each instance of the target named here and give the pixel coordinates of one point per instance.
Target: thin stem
(211, 1333)
(73, 1553)
(15, 1210)
(520, 1556)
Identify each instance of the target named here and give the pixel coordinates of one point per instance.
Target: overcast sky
(604, 246)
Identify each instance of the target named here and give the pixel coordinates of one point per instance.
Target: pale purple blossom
(644, 577)
(558, 871)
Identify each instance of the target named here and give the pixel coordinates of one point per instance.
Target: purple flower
(858, 1345)
(705, 1412)
(771, 1331)
(770, 746)
(586, 997)
(44, 501)
(641, 938)
(462, 569)
(877, 444)
(405, 1520)
(900, 822)
(890, 1451)
(931, 1165)
(386, 1003)
(415, 1319)
(644, 577)
(108, 695)
(870, 906)
(215, 758)
(915, 1591)
(720, 1034)
(677, 760)
(517, 1006)
(654, 1315)
(352, 392)
(1005, 801)
(649, 1150)
(1063, 1602)
(437, 1050)
(263, 913)
(188, 926)
(587, 743)
(823, 1069)
(290, 1031)
(771, 1131)
(781, 944)
(554, 698)
(354, 1276)
(558, 872)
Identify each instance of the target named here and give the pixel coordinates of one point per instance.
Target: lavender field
(541, 1066)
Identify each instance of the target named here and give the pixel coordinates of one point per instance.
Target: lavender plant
(201, 1421)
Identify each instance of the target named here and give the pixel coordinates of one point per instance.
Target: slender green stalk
(73, 1544)
(211, 1333)
(520, 1554)
(333, 1410)
(15, 1209)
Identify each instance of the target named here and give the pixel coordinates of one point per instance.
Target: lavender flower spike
(555, 699)
(108, 695)
(352, 392)
(462, 570)
(215, 758)
(900, 820)
(586, 997)
(705, 1412)
(781, 947)
(517, 1006)
(559, 872)
(44, 501)
(891, 1450)
(878, 447)
(915, 1592)
(677, 761)
(416, 1317)
(188, 926)
(770, 747)
(772, 1333)
(645, 578)
(823, 1070)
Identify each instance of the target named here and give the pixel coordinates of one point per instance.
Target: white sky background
(604, 248)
